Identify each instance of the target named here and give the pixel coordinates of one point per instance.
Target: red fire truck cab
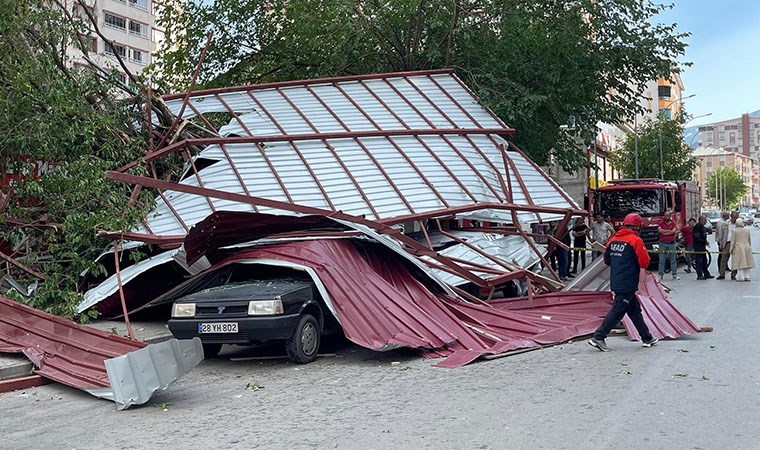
(650, 198)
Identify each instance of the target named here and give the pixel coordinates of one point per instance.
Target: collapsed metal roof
(384, 152)
(388, 148)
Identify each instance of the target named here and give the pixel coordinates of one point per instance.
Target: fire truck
(650, 198)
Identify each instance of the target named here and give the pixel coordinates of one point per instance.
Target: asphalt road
(697, 392)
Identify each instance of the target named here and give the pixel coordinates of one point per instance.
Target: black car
(256, 311)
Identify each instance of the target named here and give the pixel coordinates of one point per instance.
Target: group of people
(732, 238)
(576, 240)
(626, 255)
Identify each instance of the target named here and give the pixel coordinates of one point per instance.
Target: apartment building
(712, 158)
(739, 135)
(130, 29)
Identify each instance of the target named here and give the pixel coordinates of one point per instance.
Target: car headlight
(183, 310)
(265, 307)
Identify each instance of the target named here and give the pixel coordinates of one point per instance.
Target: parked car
(713, 217)
(756, 221)
(709, 227)
(747, 218)
(256, 311)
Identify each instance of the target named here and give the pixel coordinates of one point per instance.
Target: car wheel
(303, 344)
(211, 350)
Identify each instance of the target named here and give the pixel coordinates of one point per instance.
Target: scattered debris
(101, 363)
(253, 387)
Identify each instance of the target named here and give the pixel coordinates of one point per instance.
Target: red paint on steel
(16, 384)
(187, 95)
(392, 307)
(423, 143)
(451, 121)
(189, 159)
(237, 173)
(121, 291)
(62, 350)
(307, 137)
(545, 177)
(200, 115)
(453, 147)
(662, 318)
(475, 98)
(364, 148)
(335, 155)
(284, 84)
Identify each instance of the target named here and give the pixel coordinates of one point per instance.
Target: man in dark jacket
(626, 255)
(700, 249)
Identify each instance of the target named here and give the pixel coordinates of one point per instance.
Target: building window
(663, 92)
(732, 138)
(116, 49)
(139, 56)
(120, 76)
(114, 21)
(141, 4)
(138, 28)
(665, 113)
(158, 36)
(721, 136)
(709, 170)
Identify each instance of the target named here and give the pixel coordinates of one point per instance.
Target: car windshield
(618, 203)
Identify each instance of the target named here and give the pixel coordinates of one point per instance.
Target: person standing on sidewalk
(741, 252)
(700, 249)
(668, 230)
(579, 242)
(687, 232)
(626, 255)
(600, 232)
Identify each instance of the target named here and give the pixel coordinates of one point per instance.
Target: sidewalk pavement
(14, 365)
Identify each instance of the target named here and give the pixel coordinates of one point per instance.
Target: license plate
(218, 327)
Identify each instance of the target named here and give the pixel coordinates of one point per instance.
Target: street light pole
(659, 129)
(636, 143)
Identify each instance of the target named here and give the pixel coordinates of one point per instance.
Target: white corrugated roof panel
(397, 173)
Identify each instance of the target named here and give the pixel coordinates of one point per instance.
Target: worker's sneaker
(599, 344)
(650, 342)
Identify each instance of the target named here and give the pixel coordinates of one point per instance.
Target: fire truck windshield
(619, 202)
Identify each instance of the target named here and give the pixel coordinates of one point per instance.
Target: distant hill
(690, 133)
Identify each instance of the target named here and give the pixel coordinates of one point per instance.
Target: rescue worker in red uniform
(626, 255)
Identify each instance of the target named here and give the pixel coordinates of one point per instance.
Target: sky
(725, 51)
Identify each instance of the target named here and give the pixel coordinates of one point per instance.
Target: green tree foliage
(61, 128)
(726, 188)
(535, 63)
(653, 136)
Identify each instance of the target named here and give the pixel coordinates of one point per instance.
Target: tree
(660, 144)
(61, 127)
(535, 63)
(726, 187)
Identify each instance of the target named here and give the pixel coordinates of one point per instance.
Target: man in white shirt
(600, 232)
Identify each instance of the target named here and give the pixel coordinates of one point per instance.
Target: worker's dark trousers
(624, 303)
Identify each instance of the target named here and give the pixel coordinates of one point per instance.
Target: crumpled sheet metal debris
(137, 375)
(86, 358)
(387, 307)
(662, 317)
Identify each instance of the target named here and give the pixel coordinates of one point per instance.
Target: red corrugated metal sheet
(62, 350)
(662, 318)
(381, 304)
